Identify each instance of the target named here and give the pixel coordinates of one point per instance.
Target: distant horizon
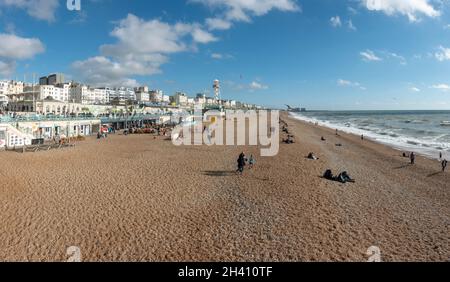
(411, 110)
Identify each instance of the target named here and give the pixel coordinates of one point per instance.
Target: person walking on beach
(241, 163)
(444, 165)
(251, 162)
(412, 157)
(440, 155)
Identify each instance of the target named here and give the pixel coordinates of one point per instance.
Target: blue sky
(395, 54)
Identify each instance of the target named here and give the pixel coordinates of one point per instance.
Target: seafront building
(54, 107)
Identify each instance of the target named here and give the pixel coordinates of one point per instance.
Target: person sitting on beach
(323, 139)
(251, 162)
(311, 156)
(344, 178)
(412, 157)
(444, 165)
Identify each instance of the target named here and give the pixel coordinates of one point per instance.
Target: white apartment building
(4, 86)
(58, 92)
(143, 97)
(156, 96)
(211, 101)
(122, 93)
(180, 99)
(11, 87)
(99, 96)
(166, 99)
(3, 100)
(200, 99)
(89, 96)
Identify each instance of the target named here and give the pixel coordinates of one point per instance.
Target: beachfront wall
(23, 133)
(49, 129)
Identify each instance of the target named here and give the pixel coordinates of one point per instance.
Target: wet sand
(139, 199)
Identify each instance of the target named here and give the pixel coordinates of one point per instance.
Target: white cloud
(396, 56)
(201, 36)
(218, 24)
(442, 87)
(348, 83)
(217, 56)
(13, 48)
(243, 10)
(19, 48)
(258, 86)
(7, 69)
(351, 26)
(352, 10)
(336, 21)
(415, 89)
(410, 8)
(142, 48)
(369, 56)
(443, 54)
(102, 71)
(39, 9)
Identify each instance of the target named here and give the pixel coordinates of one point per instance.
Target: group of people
(290, 139)
(412, 158)
(242, 162)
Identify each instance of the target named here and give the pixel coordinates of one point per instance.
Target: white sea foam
(429, 146)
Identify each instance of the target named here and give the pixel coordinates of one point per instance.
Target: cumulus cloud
(39, 9)
(410, 8)
(218, 24)
(257, 86)
(7, 69)
(336, 21)
(369, 56)
(442, 87)
(243, 10)
(415, 89)
(142, 47)
(19, 48)
(443, 54)
(13, 48)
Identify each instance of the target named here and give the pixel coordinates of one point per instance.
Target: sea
(423, 132)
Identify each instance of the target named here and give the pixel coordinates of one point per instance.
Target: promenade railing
(103, 119)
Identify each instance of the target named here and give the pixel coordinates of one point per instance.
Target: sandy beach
(136, 198)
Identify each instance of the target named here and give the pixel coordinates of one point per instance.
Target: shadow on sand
(219, 173)
(434, 174)
(403, 166)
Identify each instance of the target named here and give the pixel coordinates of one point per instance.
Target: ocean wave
(422, 141)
